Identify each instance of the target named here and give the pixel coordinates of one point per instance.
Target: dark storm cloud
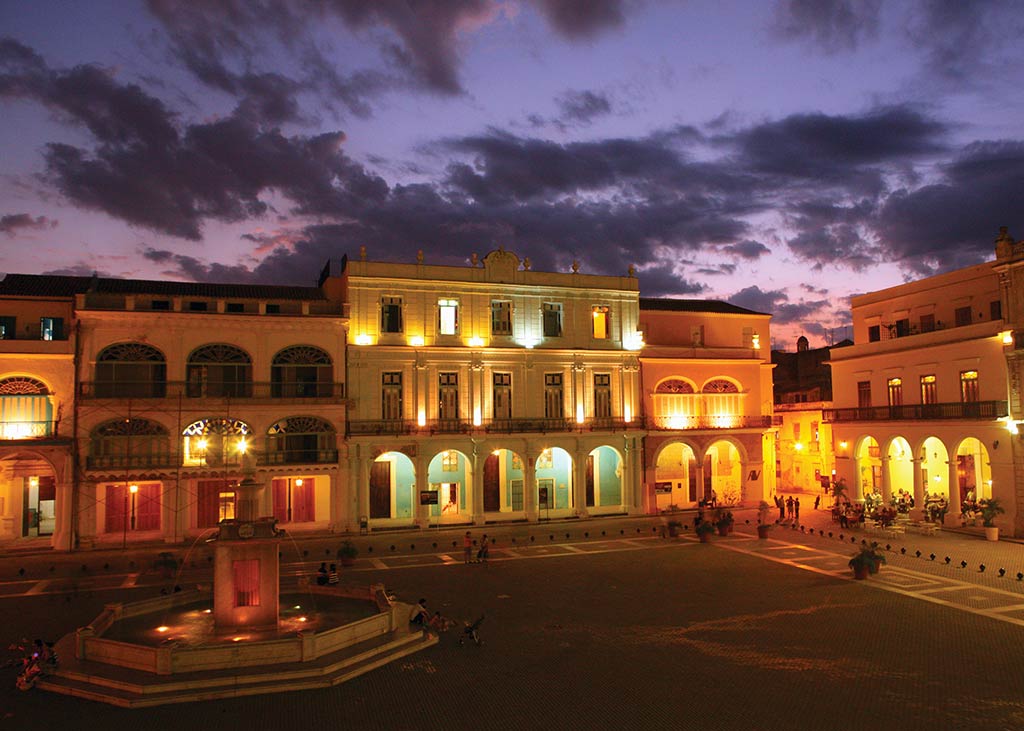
(747, 249)
(14, 223)
(833, 25)
(582, 18)
(953, 223)
(776, 302)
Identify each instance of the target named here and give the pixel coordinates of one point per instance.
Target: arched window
(302, 371)
(26, 411)
(301, 439)
(131, 370)
(219, 371)
(720, 386)
(674, 385)
(215, 442)
(129, 443)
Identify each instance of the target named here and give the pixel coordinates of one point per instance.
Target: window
(929, 392)
(7, 328)
(391, 314)
(160, 305)
(962, 316)
(602, 395)
(969, 386)
(234, 307)
(796, 431)
(602, 322)
(748, 337)
(552, 319)
(895, 386)
(273, 308)
(225, 506)
(449, 461)
(995, 310)
(502, 395)
(391, 396)
(448, 317)
(902, 328)
(198, 306)
(864, 394)
(874, 333)
(219, 371)
(553, 400)
(501, 317)
(927, 323)
(51, 328)
(447, 396)
(544, 460)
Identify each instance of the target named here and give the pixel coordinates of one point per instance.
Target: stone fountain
(233, 640)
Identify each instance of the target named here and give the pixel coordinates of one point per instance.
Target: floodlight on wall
(364, 339)
(476, 342)
(416, 341)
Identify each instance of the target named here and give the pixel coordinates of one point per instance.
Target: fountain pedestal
(246, 576)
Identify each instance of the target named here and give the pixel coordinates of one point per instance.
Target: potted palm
(347, 553)
(866, 561)
(724, 521)
(989, 510)
(704, 530)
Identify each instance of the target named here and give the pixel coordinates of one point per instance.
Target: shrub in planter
(724, 521)
(704, 530)
(866, 561)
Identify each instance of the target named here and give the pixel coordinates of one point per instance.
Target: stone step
(115, 685)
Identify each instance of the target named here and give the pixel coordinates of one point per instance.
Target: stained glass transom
(225, 427)
(674, 386)
(22, 386)
(219, 353)
(131, 353)
(302, 355)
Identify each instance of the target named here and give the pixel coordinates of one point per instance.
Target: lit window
(929, 392)
(601, 322)
(969, 386)
(448, 317)
(51, 328)
(226, 506)
(895, 386)
(450, 461)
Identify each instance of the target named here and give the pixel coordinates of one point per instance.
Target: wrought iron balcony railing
(683, 423)
(168, 460)
(211, 390)
(980, 410)
(15, 430)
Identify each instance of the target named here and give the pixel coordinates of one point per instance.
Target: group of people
(327, 576)
(37, 659)
(439, 624)
(481, 553)
(789, 508)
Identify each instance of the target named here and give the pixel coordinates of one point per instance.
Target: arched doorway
(392, 484)
(934, 469)
(604, 478)
(28, 484)
(675, 477)
(553, 479)
(504, 478)
(723, 473)
(449, 476)
(869, 467)
(973, 470)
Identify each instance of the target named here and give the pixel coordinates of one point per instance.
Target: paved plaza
(606, 624)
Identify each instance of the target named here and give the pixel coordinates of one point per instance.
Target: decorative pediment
(501, 266)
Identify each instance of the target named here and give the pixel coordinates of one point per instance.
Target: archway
(901, 468)
(604, 478)
(450, 476)
(675, 477)
(28, 484)
(504, 478)
(553, 478)
(869, 467)
(723, 473)
(392, 485)
(973, 470)
(934, 469)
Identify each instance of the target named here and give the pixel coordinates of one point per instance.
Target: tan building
(708, 403)
(920, 398)
(491, 392)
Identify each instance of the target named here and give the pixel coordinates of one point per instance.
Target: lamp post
(297, 482)
(133, 490)
(124, 538)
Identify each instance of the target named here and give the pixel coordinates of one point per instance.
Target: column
(579, 481)
(422, 513)
(628, 478)
(887, 479)
(63, 535)
(476, 466)
(918, 512)
(361, 486)
(955, 498)
(529, 455)
(338, 513)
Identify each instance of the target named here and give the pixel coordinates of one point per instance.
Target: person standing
(467, 547)
(481, 555)
(796, 509)
(817, 501)
(789, 507)
(782, 507)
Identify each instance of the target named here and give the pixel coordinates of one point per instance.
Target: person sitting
(420, 615)
(332, 575)
(321, 575)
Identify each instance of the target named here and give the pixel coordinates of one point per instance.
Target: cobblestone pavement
(620, 630)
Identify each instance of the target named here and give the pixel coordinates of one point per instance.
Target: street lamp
(297, 482)
(133, 490)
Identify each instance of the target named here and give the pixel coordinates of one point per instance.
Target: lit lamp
(134, 489)
(476, 342)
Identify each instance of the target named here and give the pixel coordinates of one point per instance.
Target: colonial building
(491, 392)
(921, 397)
(177, 383)
(708, 403)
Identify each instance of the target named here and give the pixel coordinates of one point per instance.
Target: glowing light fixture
(133, 489)
(634, 341)
(798, 446)
(363, 339)
(298, 483)
(496, 452)
(421, 418)
(476, 342)
(476, 416)
(201, 444)
(843, 445)
(938, 478)
(528, 343)
(242, 446)
(1007, 336)
(416, 341)
(579, 413)
(162, 628)
(756, 342)
(627, 413)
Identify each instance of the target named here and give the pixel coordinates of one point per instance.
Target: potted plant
(989, 510)
(347, 553)
(724, 520)
(763, 526)
(866, 561)
(673, 527)
(704, 530)
(166, 564)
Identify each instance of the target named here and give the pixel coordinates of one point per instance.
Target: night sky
(778, 155)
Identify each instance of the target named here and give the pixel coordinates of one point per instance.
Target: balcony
(229, 391)
(975, 410)
(133, 462)
(694, 423)
(166, 460)
(298, 456)
(494, 426)
(27, 430)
